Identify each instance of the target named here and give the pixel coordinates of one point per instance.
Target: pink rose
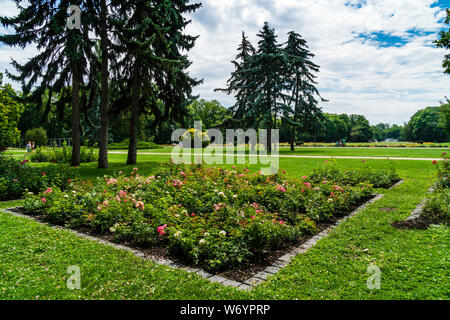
(161, 230)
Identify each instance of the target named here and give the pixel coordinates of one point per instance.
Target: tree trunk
(293, 138)
(132, 147)
(104, 101)
(269, 137)
(75, 118)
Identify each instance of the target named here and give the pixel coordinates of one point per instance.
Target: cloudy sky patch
(377, 57)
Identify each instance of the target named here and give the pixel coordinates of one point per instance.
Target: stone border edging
(248, 284)
(397, 184)
(415, 214)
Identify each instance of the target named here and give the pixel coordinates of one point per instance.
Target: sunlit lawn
(414, 264)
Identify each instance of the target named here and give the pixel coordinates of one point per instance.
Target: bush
(208, 216)
(38, 135)
(196, 134)
(437, 208)
(62, 155)
(443, 172)
(18, 177)
(141, 145)
(381, 178)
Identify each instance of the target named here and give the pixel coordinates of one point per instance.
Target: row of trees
(127, 55)
(274, 82)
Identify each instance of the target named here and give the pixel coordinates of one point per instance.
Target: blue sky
(376, 56)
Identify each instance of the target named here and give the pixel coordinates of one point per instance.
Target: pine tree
(173, 81)
(238, 85)
(300, 83)
(263, 80)
(62, 60)
(151, 39)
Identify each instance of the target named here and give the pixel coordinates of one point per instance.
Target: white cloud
(386, 84)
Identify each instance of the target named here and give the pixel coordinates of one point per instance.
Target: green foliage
(38, 135)
(19, 177)
(10, 112)
(445, 116)
(62, 155)
(438, 207)
(141, 145)
(424, 126)
(208, 216)
(444, 42)
(210, 113)
(443, 172)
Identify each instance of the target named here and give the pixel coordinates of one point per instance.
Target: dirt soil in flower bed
(419, 223)
(241, 273)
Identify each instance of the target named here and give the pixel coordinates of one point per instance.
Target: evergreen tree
(262, 78)
(152, 40)
(62, 60)
(300, 83)
(239, 85)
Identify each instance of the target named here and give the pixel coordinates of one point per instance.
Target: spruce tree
(300, 85)
(61, 60)
(152, 40)
(238, 85)
(263, 79)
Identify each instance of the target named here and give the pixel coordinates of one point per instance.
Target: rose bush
(438, 207)
(18, 177)
(212, 217)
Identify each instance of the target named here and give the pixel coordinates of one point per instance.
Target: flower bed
(19, 177)
(212, 217)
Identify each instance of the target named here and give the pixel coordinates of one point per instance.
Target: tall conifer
(62, 57)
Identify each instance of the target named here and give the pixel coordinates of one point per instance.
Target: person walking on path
(29, 147)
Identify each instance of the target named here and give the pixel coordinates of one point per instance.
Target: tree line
(274, 83)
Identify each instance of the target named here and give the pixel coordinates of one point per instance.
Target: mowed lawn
(414, 264)
(431, 153)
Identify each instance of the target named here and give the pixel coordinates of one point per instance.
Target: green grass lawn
(432, 153)
(355, 152)
(414, 263)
